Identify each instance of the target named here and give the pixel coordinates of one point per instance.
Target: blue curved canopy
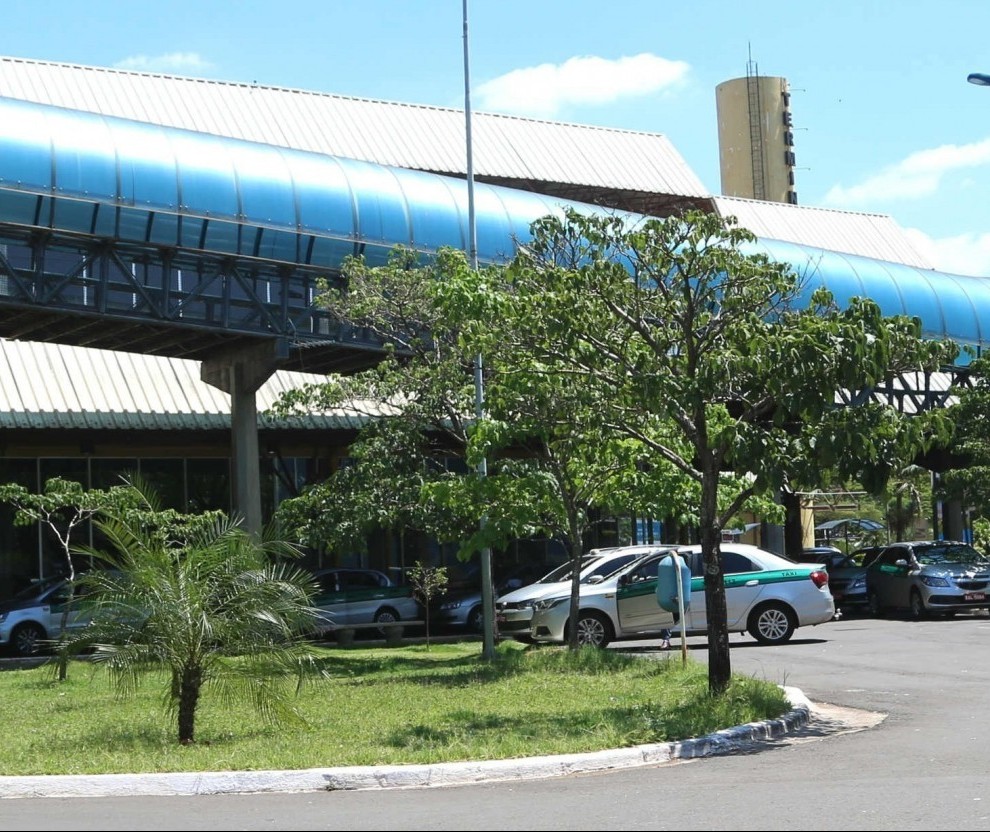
(87, 174)
(151, 184)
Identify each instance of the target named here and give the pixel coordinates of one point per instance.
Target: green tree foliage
(717, 361)
(969, 482)
(428, 583)
(215, 607)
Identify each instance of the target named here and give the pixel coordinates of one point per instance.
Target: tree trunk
(719, 664)
(793, 527)
(192, 680)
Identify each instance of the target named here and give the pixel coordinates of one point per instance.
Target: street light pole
(979, 78)
(487, 593)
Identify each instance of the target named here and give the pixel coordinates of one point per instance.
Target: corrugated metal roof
(391, 133)
(58, 386)
(869, 235)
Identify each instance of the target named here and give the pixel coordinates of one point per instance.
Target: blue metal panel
(84, 156)
(142, 182)
(26, 142)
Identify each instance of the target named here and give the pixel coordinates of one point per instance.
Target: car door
(892, 583)
(742, 588)
(364, 594)
(636, 603)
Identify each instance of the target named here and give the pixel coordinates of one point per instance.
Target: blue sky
(884, 118)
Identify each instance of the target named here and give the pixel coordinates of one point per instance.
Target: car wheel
(873, 604)
(771, 624)
(27, 639)
(386, 615)
(917, 606)
(593, 629)
(476, 620)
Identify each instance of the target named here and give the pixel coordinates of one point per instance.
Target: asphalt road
(923, 686)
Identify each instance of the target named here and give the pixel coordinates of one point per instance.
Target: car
(846, 577)
(463, 609)
(766, 595)
(35, 616)
(349, 596)
(514, 610)
(928, 576)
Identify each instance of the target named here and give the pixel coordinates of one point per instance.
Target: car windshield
(950, 554)
(35, 589)
(563, 572)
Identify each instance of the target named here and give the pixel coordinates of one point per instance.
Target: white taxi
(766, 595)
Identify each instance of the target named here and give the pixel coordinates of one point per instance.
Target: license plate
(975, 596)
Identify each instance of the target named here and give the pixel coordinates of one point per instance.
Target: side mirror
(901, 562)
(597, 579)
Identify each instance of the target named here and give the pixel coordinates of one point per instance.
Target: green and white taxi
(766, 595)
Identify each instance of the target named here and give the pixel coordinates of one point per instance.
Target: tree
(969, 479)
(718, 361)
(428, 582)
(203, 599)
(63, 508)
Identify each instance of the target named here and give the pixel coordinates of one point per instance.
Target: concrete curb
(726, 741)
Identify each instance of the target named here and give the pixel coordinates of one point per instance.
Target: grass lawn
(411, 704)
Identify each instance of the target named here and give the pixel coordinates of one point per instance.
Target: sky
(884, 119)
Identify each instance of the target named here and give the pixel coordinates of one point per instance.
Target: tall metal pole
(487, 593)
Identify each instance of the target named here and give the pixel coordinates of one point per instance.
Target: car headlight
(858, 583)
(549, 603)
(450, 605)
(3, 617)
(929, 580)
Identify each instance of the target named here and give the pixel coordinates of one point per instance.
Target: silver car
(928, 576)
(33, 617)
(514, 610)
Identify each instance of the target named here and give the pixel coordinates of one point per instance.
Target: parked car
(846, 576)
(928, 576)
(34, 616)
(514, 610)
(361, 596)
(767, 595)
(464, 609)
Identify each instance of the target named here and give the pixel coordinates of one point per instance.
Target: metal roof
(868, 235)
(505, 148)
(58, 386)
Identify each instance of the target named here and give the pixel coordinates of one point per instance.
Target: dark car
(928, 576)
(846, 577)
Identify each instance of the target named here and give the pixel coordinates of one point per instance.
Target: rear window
(954, 553)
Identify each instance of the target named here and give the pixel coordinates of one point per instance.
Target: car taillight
(819, 577)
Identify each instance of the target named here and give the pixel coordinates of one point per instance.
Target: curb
(721, 742)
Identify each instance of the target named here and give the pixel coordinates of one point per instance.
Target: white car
(766, 595)
(514, 610)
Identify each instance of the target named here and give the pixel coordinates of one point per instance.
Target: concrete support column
(953, 521)
(240, 374)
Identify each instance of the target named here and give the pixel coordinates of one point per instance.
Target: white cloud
(169, 62)
(546, 89)
(917, 176)
(966, 253)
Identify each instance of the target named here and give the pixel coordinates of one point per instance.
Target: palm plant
(215, 607)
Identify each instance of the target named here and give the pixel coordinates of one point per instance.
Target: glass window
(733, 563)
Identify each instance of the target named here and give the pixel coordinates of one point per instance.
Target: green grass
(410, 704)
